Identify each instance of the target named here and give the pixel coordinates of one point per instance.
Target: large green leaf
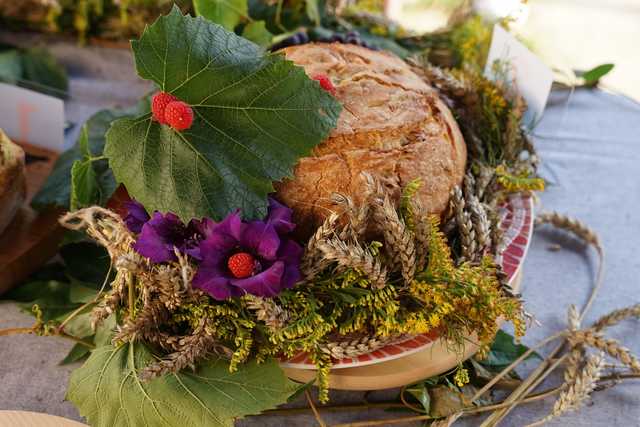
(57, 189)
(504, 351)
(227, 13)
(84, 184)
(108, 392)
(256, 114)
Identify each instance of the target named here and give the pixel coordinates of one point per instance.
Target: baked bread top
(13, 187)
(393, 125)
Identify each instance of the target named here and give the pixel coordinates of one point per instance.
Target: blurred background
(567, 34)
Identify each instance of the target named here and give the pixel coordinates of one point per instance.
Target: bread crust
(13, 186)
(393, 125)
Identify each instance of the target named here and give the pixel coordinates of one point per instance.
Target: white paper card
(31, 117)
(531, 77)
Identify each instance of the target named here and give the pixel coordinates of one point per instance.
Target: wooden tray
(429, 361)
(32, 238)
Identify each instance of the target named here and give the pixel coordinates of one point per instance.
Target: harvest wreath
(320, 199)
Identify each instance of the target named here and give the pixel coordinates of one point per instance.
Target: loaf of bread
(13, 187)
(393, 125)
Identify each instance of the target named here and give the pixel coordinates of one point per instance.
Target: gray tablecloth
(590, 148)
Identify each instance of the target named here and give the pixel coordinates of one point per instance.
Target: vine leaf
(108, 392)
(256, 114)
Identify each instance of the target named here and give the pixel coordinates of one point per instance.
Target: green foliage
(56, 191)
(470, 42)
(10, 66)
(504, 351)
(41, 72)
(59, 290)
(313, 11)
(77, 353)
(255, 116)
(84, 183)
(227, 13)
(33, 69)
(518, 182)
(210, 396)
(257, 32)
(592, 77)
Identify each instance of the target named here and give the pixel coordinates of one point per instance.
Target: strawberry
(241, 265)
(159, 103)
(325, 83)
(178, 115)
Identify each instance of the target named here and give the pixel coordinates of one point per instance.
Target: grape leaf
(227, 13)
(256, 114)
(504, 351)
(84, 185)
(77, 352)
(56, 190)
(108, 392)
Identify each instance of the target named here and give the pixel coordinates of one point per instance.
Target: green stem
(131, 295)
(16, 331)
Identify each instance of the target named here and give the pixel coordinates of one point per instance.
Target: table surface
(589, 142)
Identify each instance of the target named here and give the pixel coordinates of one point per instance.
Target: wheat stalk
(312, 262)
(610, 346)
(573, 225)
(578, 391)
(465, 225)
(355, 256)
(400, 241)
(358, 346)
(616, 317)
(267, 311)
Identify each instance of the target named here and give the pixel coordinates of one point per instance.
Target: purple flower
(136, 216)
(254, 257)
(163, 233)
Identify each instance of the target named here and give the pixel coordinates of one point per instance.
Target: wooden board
(34, 419)
(32, 238)
(433, 360)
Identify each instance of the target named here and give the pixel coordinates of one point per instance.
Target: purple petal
(265, 284)
(202, 227)
(291, 276)
(136, 216)
(151, 245)
(280, 217)
(159, 236)
(291, 253)
(262, 239)
(220, 243)
(231, 225)
(215, 285)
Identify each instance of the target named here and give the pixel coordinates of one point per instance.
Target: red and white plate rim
(516, 221)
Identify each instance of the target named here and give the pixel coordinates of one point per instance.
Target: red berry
(241, 265)
(159, 103)
(325, 83)
(178, 115)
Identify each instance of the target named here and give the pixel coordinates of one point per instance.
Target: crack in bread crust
(393, 125)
